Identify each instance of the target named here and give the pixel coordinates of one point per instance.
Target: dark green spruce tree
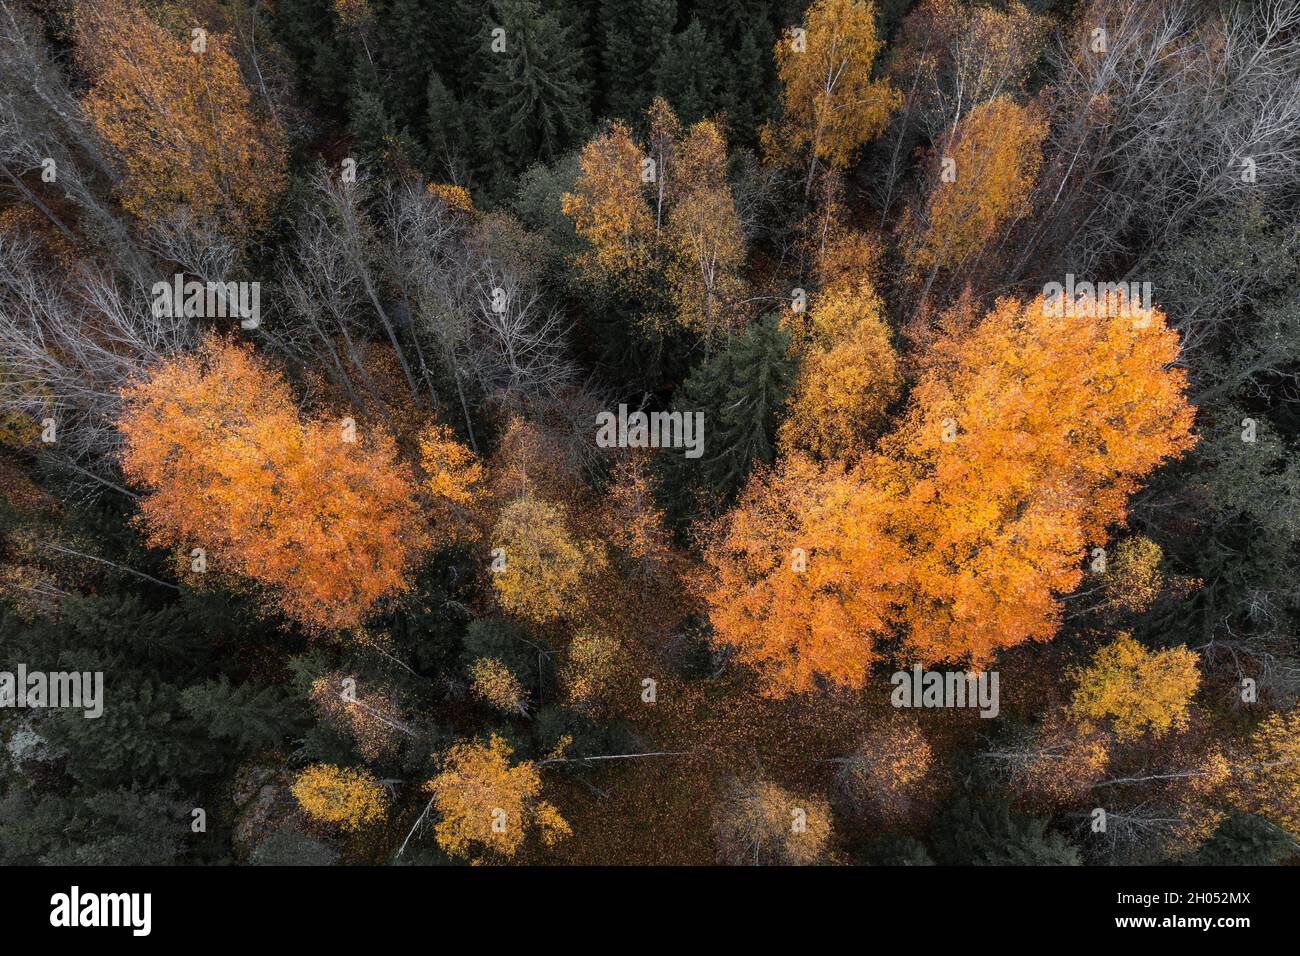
(636, 33)
(751, 87)
(1244, 839)
(407, 49)
(324, 61)
(983, 830)
(374, 132)
(449, 141)
(533, 100)
(249, 715)
(689, 74)
(742, 392)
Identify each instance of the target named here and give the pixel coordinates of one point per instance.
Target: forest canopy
(779, 432)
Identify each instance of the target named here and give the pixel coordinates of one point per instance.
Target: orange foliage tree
(801, 576)
(328, 525)
(1023, 438)
(455, 480)
(178, 117)
(633, 520)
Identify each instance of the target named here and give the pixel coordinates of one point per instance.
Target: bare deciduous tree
(69, 341)
(1163, 112)
(456, 296)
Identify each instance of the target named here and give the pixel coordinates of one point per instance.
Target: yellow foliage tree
(608, 206)
(1270, 782)
(843, 389)
(370, 715)
(178, 117)
(533, 456)
(354, 14)
(832, 104)
(1133, 577)
(488, 806)
(542, 579)
(665, 130)
(995, 154)
(953, 55)
(887, 772)
(454, 478)
(594, 661)
(666, 206)
(492, 682)
(1058, 762)
(705, 240)
(1138, 690)
(456, 197)
(351, 799)
(758, 822)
